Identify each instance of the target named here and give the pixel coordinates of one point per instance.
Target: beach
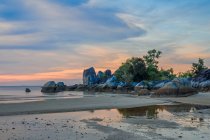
(107, 116)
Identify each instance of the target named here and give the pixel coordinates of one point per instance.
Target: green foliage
(198, 67)
(138, 69)
(151, 58)
(187, 74)
(167, 74)
(133, 70)
(152, 64)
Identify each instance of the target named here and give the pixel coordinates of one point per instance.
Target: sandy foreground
(92, 103)
(103, 118)
(77, 104)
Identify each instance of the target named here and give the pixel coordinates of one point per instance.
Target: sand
(53, 119)
(199, 99)
(93, 103)
(77, 104)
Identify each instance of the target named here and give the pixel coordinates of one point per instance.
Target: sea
(17, 94)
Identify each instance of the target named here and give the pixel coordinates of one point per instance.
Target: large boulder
(112, 82)
(52, 87)
(202, 80)
(49, 87)
(104, 76)
(175, 88)
(158, 84)
(202, 76)
(108, 73)
(141, 85)
(60, 86)
(89, 76)
(101, 77)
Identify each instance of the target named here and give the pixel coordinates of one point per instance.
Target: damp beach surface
(167, 121)
(105, 116)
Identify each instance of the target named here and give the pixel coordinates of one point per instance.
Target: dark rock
(143, 92)
(141, 85)
(89, 76)
(158, 84)
(202, 76)
(202, 80)
(125, 87)
(177, 87)
(60, 86)
(205, 84)
(108, 73)
(101, 77)
(112, 82)
(81, 87)
(49, 87)
(52, 87)
(72, 87)
(27, 90)
(134, 84)
(100, 74)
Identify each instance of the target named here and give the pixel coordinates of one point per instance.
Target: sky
(42, 40)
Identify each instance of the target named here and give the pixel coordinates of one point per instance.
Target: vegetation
(167, 74)
(187, 74)
(196, 69)
(137, 69)
(133, 70)
(152, 64)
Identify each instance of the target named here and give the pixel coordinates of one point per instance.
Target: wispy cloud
(51, 39)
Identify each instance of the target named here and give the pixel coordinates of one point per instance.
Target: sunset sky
(43, 40)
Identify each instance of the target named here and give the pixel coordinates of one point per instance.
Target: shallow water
(17, 94)
(177, 121)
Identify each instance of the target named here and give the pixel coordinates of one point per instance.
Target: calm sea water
(10, 94)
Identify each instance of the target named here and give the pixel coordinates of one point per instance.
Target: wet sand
(53, 119)
(200, 99)
(163, 122)
(77, 104)
(94, 102)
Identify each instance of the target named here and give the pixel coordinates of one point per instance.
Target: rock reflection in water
(152, 112)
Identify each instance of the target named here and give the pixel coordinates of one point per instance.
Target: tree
(187, 74)
(152, 64)
(133, 70)
(198, 67)
(167, 74)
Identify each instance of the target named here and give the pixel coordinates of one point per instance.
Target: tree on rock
(198, 67)
(152, 64)
(133, 70)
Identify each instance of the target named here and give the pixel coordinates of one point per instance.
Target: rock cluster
(90, 77)
(52, 87)
(106, 82)
(176, 87)
(202, 80)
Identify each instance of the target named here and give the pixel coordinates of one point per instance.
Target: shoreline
(77, 104)
(95, 103)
